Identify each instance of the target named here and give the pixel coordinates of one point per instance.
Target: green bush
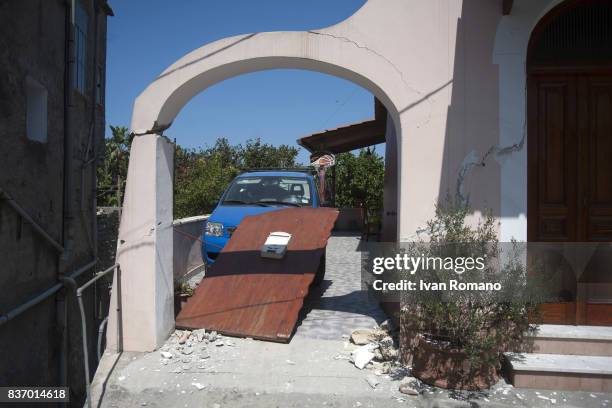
(360, 180)
(483, 324)
(201, 175)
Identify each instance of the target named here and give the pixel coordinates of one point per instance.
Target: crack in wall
(421, 94)
(378, 54)
(472, 160)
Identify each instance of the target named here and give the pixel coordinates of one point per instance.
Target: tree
(256, 154)
(112, 171)
(360, 179)
(203, 174)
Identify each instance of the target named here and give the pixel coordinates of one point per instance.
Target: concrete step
(574, 340)
(560, 372)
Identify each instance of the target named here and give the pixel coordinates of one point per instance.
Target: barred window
(80, 48)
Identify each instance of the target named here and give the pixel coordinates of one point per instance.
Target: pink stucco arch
(163, 99)
(362, 49)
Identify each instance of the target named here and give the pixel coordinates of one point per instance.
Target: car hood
(232, 215)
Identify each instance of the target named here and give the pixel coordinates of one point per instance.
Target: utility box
(275, 246)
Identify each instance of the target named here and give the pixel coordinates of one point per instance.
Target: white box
(276, 245)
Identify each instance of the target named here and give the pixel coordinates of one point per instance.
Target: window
(80, 48)
(269, 190)
(36, 111)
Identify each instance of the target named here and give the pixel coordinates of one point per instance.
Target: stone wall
(33, 47)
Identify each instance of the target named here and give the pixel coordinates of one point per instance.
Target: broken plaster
(472, 160)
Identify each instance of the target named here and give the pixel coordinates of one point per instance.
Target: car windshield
(269, 190)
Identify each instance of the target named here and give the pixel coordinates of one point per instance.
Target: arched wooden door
(570, 145)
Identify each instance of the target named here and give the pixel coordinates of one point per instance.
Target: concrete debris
(363, 355)
(362, 337)
(184, 337)
(199, 335)
(199, 386)
(408, 389)
(380, 368)
(388, 326)
(379, 346)
(372, 380)
(186, 348)
(552, 400)
(387, 349)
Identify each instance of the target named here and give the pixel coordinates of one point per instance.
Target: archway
(145, 236)
(569, 78)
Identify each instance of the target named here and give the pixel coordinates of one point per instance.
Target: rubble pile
(377, 345)
(187, 348)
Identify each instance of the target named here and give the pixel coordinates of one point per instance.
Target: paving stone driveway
(339, 306)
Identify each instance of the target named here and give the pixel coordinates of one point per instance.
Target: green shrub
(483, 324)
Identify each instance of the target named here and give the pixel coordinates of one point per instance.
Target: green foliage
(112, 171)
(483, 324)
(203, 174)
(360, 179)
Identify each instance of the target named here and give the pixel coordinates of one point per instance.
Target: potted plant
(456, 337)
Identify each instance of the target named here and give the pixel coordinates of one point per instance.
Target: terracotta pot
(445, 367)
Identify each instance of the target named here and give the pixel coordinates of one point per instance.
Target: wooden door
(595, 133)
(552, 173)
(570, 177)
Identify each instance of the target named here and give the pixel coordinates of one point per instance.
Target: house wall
(32, 45)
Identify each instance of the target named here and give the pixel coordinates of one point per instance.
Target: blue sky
(146, 36)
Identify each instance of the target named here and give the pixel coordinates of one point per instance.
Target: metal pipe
(5, 196)
(10, 315)
(96, 277)
(100, 334)
(85, 353)
(79, 294)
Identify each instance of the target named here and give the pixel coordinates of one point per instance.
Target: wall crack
(378, 54)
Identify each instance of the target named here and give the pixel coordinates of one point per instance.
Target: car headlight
(214, 229)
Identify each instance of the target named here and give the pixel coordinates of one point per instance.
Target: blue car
(254, 193)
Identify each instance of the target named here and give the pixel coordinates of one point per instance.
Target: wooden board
(246, 295)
